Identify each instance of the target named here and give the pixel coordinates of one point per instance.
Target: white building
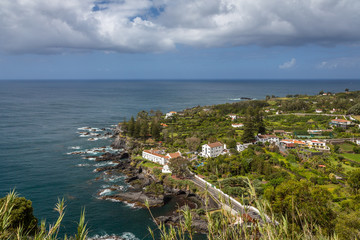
(233, 116)
(318, 111)
(155, 156)
(170, 114)
(241, 147)
(357, 141)
(267, 138)
(237, 125)
(212, 149)
(318, 145)
(158, 156)
(166, 169)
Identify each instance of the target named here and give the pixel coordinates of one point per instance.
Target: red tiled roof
(215, 144)
(340, 120)
(154, 153)
(174, 155)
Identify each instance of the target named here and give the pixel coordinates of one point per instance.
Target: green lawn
(346, 147)
(350, 156)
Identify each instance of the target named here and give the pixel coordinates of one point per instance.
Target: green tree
(21, 215)
(193, 143)
(178, 166)
(354, 180)
(293, 197)
(248, 134)
(131, 126)
(155, 130)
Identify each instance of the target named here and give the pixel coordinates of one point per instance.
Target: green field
(346, 147)
(350, 156)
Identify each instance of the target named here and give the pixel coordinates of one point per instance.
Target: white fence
(226, 195)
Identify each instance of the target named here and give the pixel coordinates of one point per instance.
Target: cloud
(37, 26)
(344, 62)
(289, 64)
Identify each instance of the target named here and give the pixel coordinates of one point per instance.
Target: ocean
(39, 127)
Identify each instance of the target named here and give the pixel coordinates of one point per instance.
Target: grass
(357, 117)
(346, 147)
(225, 225)
(351, 156)
(149, 164)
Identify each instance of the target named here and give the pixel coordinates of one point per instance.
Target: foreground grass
(227, 226)
(44, 232)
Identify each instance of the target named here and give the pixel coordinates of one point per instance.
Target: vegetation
(17, 221)
(223, 225)
(311, 189)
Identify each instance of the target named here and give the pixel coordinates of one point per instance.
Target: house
(166, 169)
(213, 149)
(357, 141)
(241, 147)
(318, 145)
(267, 138)
(163, 125)
(287, 144)
(233, 116)
(292, 143)
(237, 125)
(155, 156)
(280, 132)
(170, 114)
(333, 110)
(318, 111)
(267, 110)
(340, 123)
(158, 156)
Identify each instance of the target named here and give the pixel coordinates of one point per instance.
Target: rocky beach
(142, 185)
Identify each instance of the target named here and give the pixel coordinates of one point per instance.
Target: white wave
(124, 236)
(114, 179)
(83, 165)
(105, 192)
(93, 139)
(75, 153)
(84, 128)
(131, 205)
(235, 99)
(83, 135)
(75, 147)
(105, 164)
(91, 159)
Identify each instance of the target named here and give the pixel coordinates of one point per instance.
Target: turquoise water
(39, 121)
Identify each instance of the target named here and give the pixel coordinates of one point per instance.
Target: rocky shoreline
(141, 184)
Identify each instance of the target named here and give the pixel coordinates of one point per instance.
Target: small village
(305, 143)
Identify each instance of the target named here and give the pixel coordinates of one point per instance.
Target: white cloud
(344, 62)
(38, 26)
(289, 64)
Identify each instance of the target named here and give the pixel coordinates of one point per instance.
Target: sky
(179, 39)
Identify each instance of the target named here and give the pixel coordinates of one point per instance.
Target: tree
(248, 134)
(21, 215)
(354, 109)
(178, 166)
(312, 202)
(155, 130)
(193, 143)
(346, 90)
(131, 126)
(354, 180)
